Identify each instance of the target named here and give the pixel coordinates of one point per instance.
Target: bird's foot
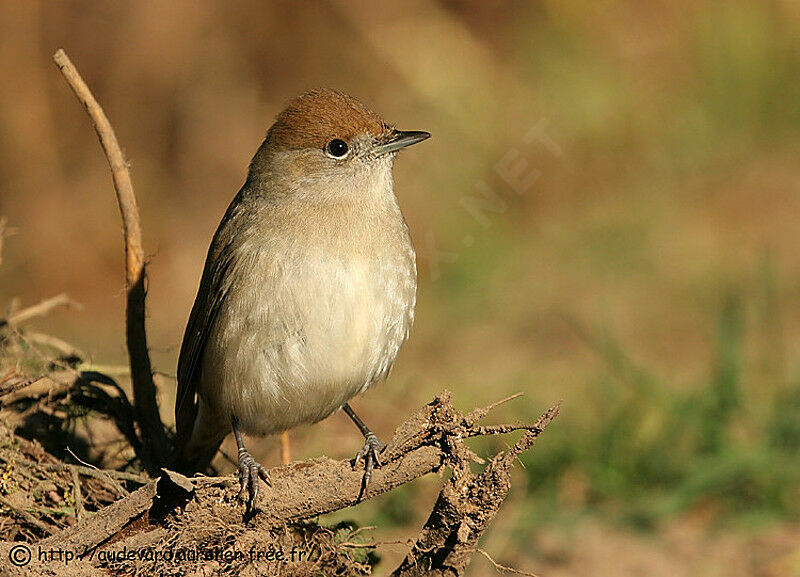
(249, 472)
(370, 453)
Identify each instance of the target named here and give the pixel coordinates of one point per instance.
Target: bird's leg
(372, 446)
(249, 469)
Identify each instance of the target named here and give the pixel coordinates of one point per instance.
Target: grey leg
(249, 469)
(372, 446)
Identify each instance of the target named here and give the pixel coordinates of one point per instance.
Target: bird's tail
(195, 457)
(196, 445)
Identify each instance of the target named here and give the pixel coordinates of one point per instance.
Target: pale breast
(307, 328)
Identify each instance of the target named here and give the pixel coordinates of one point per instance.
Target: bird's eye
(337, 148)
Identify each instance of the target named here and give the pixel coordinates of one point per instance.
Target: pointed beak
(400, 139)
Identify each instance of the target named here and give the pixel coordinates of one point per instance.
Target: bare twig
(154, 439)
(39, 310)
(62, 346)
(110, 370)
(80, 512)
(92, 471)
(376, 544)
(466, 506)
(504, 568)
(477, 431)
(477, 414)
(12, 382)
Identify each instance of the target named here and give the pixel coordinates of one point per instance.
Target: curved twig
(154, 439)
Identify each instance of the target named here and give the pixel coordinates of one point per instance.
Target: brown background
(657, 148)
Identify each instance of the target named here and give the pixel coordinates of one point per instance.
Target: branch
(77, 495)
(154, 438)
(66, 349)
(39, 310)
(466, 506)
(430, 439)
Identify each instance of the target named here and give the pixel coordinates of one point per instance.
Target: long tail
(195, 445)
(196, 457)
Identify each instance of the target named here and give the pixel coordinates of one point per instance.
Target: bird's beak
(400, 139)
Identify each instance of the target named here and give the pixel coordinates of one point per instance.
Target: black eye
(337, 148)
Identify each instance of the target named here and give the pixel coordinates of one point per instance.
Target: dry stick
(12, 383)
(464, 509)
(481, 412)
(154, 438)
(106, 474)
(429, 440)
(39, 310)
(60, 345)
(504, 568)
(80, 512)
(120, 489)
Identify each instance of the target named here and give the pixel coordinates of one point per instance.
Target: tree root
(429, 440)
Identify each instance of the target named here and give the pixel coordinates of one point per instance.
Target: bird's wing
(214, 287)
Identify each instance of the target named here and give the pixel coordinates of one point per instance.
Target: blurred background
(608, 213)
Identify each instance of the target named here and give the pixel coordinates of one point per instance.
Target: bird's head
(325, 136)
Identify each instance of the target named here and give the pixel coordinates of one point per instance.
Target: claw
(249, 472)
(370, 454)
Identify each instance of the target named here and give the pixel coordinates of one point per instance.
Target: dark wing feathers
(214, 287)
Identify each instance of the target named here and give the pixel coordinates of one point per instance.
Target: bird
(308, 289)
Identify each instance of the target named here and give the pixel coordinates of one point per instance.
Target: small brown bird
(308, 290)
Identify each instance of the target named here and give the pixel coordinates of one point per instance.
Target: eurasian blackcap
(308, 290)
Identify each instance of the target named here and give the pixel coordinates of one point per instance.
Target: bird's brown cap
(316, 117)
